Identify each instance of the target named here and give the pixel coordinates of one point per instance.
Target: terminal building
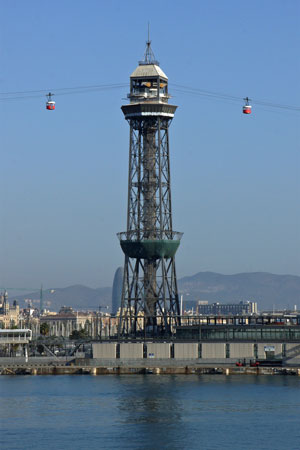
(241, 328)
(217, 340)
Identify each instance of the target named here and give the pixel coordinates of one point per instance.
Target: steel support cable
(70, 92)
(218, 97)
(20, 95)
(68, 88)
(190, 90)
(61, 91)
(204, 92)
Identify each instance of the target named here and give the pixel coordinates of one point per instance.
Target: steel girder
(150, 294)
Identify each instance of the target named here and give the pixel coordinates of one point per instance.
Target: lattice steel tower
(150, 303)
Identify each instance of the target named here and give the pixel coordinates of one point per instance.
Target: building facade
(9, 315)
(204, 308)
(94, 325)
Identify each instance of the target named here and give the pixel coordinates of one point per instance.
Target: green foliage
(13, 326)
(44, 329)
(78, 334)
(40, 349)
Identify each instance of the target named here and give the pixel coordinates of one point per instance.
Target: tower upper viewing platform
(148, 82)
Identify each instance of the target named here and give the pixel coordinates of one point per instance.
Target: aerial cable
(100, 86)
(60, 92)
(205, 92)
(190, 90)
(181, 89)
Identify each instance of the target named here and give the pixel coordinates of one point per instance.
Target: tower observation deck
(150, 304)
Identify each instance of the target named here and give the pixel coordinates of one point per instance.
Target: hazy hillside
(280, 291)
(268, 290)
(77, 296)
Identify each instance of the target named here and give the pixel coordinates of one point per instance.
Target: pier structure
(265, 344)
(15, 336)
(149, 303)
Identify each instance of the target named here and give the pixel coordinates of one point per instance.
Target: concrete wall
(104, 350)
(209, 350)
(261, 354)
(292, 352)
(213, 350)
(131, 351)
(186, 350)
(162, 350)
(241, 350)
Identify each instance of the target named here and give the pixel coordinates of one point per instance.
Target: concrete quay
(48, 366)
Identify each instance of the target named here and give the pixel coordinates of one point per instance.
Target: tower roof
(148, 70)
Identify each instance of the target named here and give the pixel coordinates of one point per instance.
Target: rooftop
(148, 70)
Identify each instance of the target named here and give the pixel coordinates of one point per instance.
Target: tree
(78, 334)
(13, 325)
(40, 349)
(44, 329)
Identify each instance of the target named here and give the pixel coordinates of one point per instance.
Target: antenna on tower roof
(149, 57)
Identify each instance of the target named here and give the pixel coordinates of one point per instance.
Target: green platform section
(150, 249)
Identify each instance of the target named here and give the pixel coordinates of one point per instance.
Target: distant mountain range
(78, 296)
(268, 290)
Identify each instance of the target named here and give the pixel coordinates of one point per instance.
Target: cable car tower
(150, 304)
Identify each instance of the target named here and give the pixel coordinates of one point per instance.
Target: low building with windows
(229, 338)
(205, 308)
(66, 321)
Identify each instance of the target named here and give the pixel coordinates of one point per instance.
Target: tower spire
(149, 57)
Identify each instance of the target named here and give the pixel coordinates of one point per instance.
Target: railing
(140, 235)
(8, 336)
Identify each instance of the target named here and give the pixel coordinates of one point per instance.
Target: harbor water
(150, 412)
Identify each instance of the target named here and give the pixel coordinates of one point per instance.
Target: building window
(284, 350)
(255, 350)
(227, 349)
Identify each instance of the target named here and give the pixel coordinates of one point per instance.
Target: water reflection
(212, 411)
(150, 403)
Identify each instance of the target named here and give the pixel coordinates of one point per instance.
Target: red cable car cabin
(247, 108)
(50, 104)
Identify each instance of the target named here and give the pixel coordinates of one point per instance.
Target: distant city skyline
(235, 179)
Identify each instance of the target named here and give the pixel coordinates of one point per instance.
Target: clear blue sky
(235, 179)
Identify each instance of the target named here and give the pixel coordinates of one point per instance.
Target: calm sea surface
(150, 412)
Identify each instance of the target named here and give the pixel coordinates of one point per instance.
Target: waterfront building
(248, 307)
(66, 321)
(273, 340)
(241, 328)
